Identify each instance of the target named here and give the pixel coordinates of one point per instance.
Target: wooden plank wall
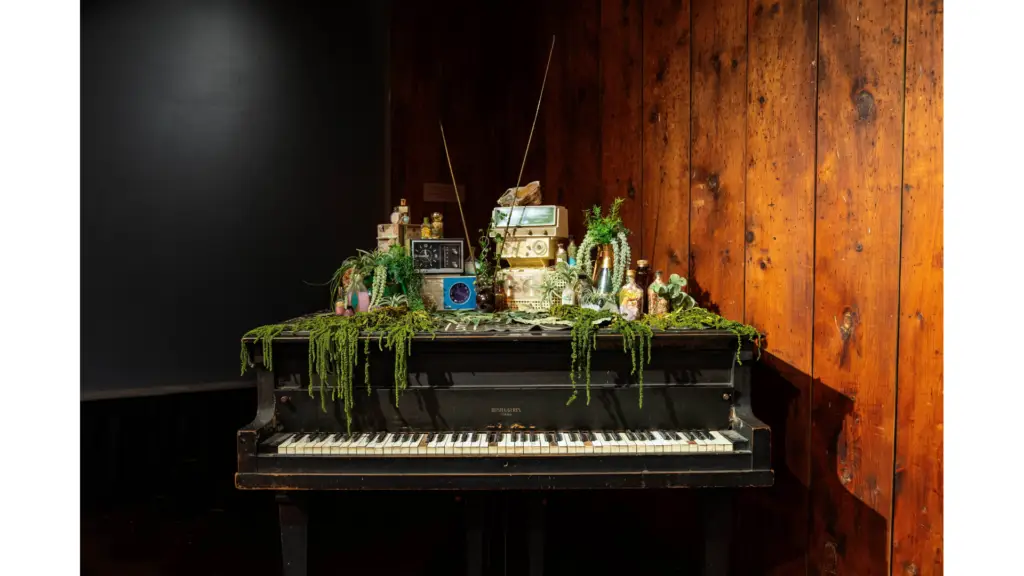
(784, 155)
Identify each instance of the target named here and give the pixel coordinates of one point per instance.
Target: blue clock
(459, 293)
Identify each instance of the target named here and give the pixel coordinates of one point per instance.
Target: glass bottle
(425, 229)
(604, 271)
(656, 304)
(561, 256)
(630, 297)
(568, 295)
(643, 280)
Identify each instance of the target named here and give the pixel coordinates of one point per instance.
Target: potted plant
(608, 235)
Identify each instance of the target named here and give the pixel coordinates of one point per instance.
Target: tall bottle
(643, 280)
(630, 297)
(604, 271)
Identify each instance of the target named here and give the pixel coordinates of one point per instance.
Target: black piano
(488, 412)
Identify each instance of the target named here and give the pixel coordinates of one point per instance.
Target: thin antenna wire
(469, 244)
(522, 167)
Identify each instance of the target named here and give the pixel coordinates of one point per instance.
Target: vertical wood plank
(779, 283)
(572, 114)
(666, 136)
(718, 173)
(859, 172)
(621, 110)
(917, 513)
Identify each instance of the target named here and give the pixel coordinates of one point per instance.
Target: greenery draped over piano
(334, 340)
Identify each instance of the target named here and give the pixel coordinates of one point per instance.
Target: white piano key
(282, 448)
(517, 442)
(564, 442)
(724, 445)
(434, 445)
(360, 446)
(481, 443)
(673, 444)
(505, 444)
(587, 444)
(302, 445)
(341, 447)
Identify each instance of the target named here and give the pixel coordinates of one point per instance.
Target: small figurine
(561, 256)
(396, 216)
(425, 230)
(339, 307)
(436, 227)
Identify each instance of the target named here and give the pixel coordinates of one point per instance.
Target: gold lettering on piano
(506, 411)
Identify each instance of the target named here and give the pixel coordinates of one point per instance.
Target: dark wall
(231, 152)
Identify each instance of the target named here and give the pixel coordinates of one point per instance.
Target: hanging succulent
(606, 231)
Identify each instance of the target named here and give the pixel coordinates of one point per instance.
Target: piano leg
(474, 508)
(716, 509)
(536, 535)
(291, 511)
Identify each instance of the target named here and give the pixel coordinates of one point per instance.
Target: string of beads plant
(333, 348)
(606, 230)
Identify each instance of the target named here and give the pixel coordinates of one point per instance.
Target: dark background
(231, 152)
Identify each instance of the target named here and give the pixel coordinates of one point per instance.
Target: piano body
(487, 411)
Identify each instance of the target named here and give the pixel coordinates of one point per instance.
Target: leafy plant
(605, 229)
(557, 279)
(384, 273)
(674, 292)
(484, 268)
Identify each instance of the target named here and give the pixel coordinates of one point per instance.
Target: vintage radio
(449, 292)
(523, 289)
(530, 252)
(531, 221)
(444, 256)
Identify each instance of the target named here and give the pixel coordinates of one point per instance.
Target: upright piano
(488, 412)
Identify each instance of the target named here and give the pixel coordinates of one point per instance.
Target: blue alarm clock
(459, 293)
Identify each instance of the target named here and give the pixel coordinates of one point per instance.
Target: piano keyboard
(525, 443)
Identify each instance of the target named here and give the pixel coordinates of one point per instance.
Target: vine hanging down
(333, 348)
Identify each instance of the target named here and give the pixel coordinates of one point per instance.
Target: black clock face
(427, 256)
(459, 293)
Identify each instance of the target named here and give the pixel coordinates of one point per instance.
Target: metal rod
(469, 243)
(522, 167)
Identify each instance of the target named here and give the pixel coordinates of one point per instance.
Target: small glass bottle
(630, 297)
(425, 229)
(561, 255)
(656, 304)
(568, 295)
(643, 280)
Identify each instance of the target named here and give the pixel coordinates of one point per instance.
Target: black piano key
(550, 438)
(586, 437)
(575, 436)
(704, 434)
(430, 437)
(561, 436)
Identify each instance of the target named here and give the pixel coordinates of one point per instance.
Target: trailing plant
(483, 267)
(636, 340)
(603, 230)
(674, 292)
(333, 348)
(585, 324)
(383, 273)
(697, 318)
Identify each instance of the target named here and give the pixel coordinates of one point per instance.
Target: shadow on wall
(773, 525)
